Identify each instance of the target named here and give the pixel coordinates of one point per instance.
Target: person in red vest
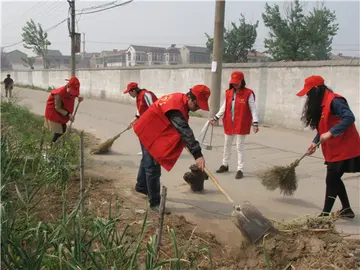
(144, 99)
(60, 107)
(239, 114)
(163, 131)
(330, 115)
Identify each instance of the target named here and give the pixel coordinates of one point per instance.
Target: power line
(103, 9)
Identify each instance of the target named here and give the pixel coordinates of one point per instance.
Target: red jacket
(68, 104)
(141, 102)
(242, 113)
(344, 146)
(157, 134)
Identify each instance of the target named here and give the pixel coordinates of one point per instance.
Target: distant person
(330, 115)
(9, 83)
(60, 107)
(239, 114)
(144, 99)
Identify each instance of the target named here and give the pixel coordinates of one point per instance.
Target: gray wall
(275, 83)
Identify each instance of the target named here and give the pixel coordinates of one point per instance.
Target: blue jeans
(148, 178)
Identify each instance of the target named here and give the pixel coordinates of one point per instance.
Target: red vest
(141, 103)
(68, 105)
(157, 134)
(242, 113)
(347, 144)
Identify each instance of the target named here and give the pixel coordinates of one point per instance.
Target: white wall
(275, 83)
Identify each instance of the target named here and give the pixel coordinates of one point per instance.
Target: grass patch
(41, 225)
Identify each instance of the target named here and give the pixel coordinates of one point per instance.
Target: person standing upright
(8, 83)
(239, 115)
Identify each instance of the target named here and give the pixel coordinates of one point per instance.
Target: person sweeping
(144, 99)
(163, 131)
(239, 114)
(60, 107)
(330, 114)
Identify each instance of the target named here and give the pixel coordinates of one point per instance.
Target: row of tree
(293, 37)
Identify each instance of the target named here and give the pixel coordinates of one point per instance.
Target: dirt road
(211, 210)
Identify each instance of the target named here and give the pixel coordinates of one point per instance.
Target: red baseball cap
(130, 87)
(236, 77)
(202, 94)
(309, 83)
(74, 86)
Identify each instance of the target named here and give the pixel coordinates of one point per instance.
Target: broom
(106, 146)
(282, 177)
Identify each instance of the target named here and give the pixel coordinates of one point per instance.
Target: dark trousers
(148, 178)
(57, 135)
(335, 187)
(8, 89)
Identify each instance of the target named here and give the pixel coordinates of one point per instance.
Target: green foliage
(238, 41)
(297, 37)
(36, 39)
(321, 28)
(28, 62)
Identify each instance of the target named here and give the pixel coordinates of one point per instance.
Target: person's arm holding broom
(340, 108)
(149, 102)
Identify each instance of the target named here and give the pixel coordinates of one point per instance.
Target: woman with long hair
(330, 114)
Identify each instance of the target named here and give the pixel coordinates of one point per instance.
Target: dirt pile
(294, 251)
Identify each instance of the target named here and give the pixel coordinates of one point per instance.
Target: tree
(35, 38)
(298, 37)
(28, 62)
(238, 41)
(321, 28)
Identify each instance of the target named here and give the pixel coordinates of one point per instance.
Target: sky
(157, 23)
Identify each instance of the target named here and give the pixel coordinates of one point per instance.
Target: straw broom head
(282, 177)
(103, 148)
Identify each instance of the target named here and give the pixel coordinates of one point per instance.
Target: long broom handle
(216, 182)
(304, 155)
(117, 136)
(77, 106)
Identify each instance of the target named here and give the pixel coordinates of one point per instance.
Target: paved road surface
(269, 147)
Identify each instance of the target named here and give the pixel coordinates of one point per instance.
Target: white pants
(240, 146)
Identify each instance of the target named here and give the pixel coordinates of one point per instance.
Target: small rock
(139, 211)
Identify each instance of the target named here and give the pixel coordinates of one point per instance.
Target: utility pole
(73, 36)
(217, 54)
(83, 42)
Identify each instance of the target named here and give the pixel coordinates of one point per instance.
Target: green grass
(73, 240)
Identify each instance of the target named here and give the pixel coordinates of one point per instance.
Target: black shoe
(346, 213)
(239, 175)
(323, 214)
(156, 208)
(223, 169)
(141, 191)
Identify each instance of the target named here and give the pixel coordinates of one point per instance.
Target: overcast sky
(160, 23)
